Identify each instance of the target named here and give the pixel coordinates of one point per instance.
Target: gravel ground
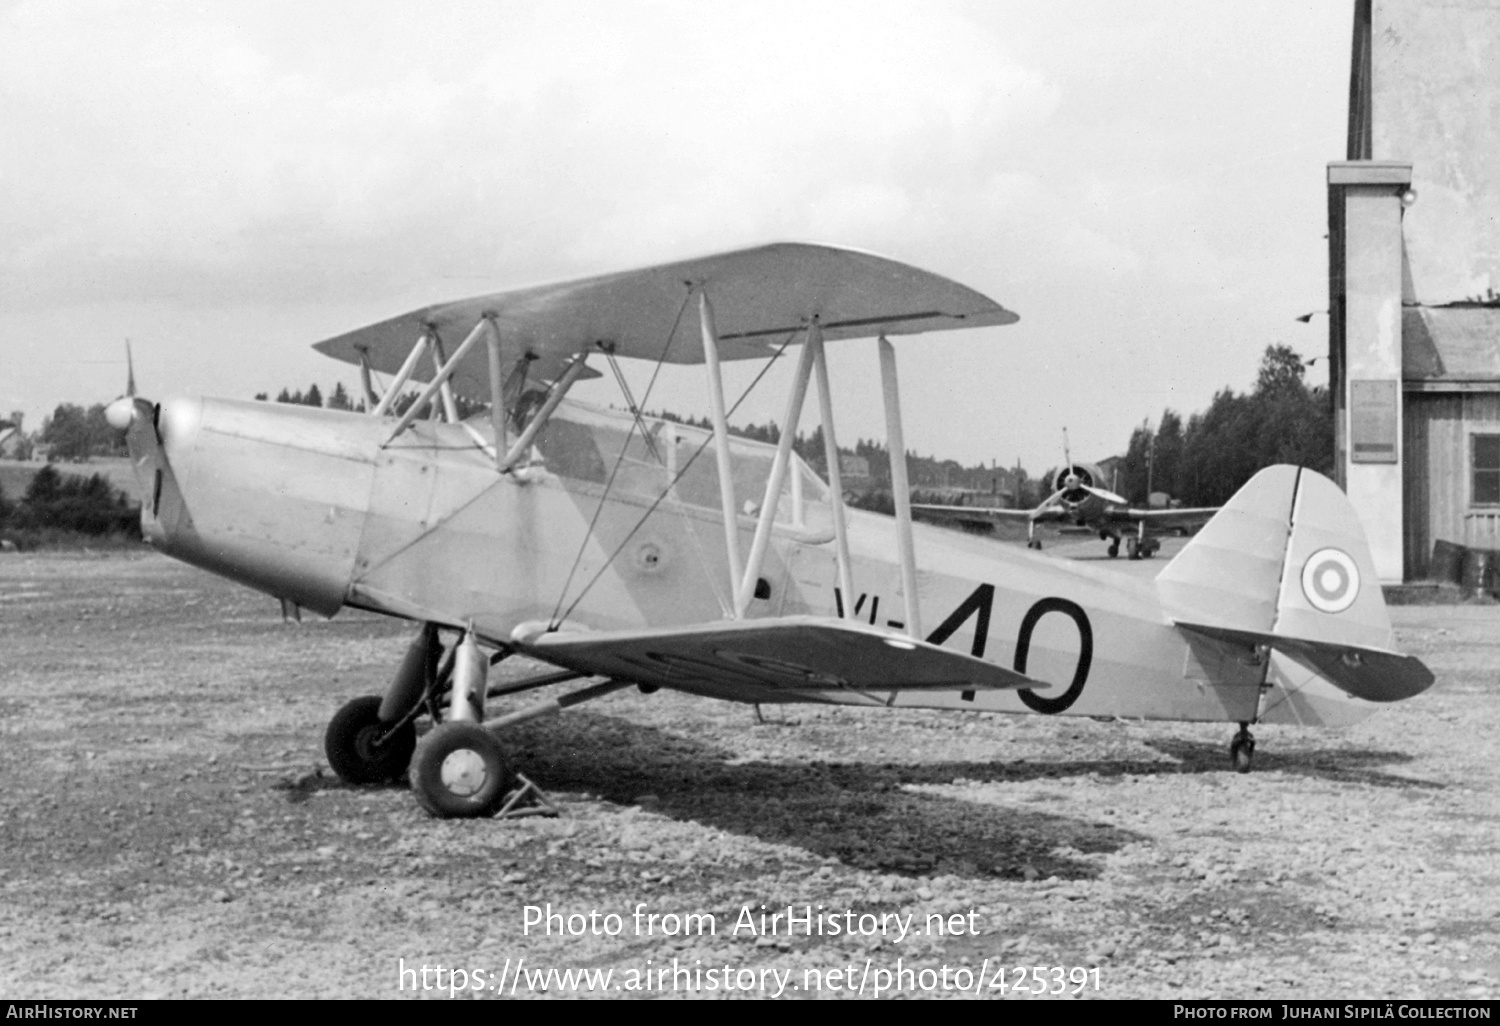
(166, 828)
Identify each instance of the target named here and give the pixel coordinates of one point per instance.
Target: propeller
(1074, 484)
(121, 412)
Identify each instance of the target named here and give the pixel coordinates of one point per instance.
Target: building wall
(1439, 426)
(1424, 92)
(1435, 101)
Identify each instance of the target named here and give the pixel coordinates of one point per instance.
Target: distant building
(854, 473)
(13, 442)
(1111, 473)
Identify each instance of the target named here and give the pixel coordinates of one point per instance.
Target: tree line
(58, 507)
(1205, 461)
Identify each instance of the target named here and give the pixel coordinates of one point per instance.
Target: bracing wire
(619, 460)
(666, 491)
(635, 411)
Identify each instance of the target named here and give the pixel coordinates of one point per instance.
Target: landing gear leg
(370, 740)
(1242, 749)
(1032, 541)
(1139, 546)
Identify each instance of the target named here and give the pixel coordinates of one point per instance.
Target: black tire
(459, 771)
(1242, 754)
(1132, 549)
(350, 742)
(1114, 548)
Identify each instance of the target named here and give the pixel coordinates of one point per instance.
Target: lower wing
(1163, 519)
(749, 658)
(986, 514)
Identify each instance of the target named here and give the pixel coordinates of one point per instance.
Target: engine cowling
(1074, 482)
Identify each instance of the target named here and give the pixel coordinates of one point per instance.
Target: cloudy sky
(226, 183)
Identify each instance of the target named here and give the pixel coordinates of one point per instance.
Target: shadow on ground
(1339, 765)
(863, 814)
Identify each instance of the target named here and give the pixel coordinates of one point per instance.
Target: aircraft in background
(650, 554)
(1077, 500)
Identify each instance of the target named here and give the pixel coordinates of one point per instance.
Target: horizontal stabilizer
(796, 654)
(1373, 674)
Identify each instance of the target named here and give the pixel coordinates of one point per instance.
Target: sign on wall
(1374, 421)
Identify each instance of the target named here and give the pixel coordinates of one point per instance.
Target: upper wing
(1163, 518)
(756, 660)
(760, 296)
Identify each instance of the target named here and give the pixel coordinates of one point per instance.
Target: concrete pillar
(1364, 205)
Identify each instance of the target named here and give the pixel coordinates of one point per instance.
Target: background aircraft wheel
(1132, 549)
(350, 744)
(460, 770)
(1242, 753)
(1114, 548)
(1033, 544)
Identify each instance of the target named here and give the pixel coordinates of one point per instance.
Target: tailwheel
(1242, 749)
(460, 770)
(363, 749)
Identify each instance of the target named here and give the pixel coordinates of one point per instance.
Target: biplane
(1079, 500)
(643, 553)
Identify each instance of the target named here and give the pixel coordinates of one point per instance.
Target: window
(1484, 462)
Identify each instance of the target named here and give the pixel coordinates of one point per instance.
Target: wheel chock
(527, 800)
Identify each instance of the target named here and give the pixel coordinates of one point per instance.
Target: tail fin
(1285, 564)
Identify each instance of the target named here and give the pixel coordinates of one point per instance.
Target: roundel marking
(1330, 580)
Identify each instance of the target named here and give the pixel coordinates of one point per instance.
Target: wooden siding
(1436, 474)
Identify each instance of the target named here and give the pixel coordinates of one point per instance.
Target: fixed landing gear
(1242, 749)
(1114, 548)
(1034, 543)
(460, 770)
(459, 767)
(1141, 548)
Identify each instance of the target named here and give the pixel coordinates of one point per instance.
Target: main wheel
(1034, 544)
(357, 746)
(1114, 548)
(460, 770)
(1132, 548)
(1242, 753)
